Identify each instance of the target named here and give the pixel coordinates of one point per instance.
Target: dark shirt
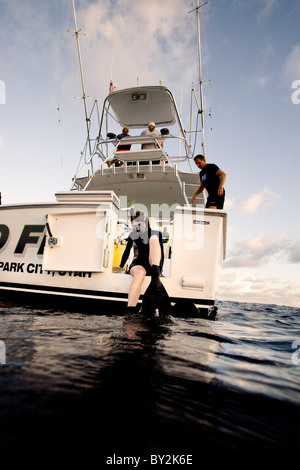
(209, 178)
(123, 147)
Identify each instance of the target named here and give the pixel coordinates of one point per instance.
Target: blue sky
(251, 61)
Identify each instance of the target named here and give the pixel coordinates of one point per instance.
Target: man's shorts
(215, 200)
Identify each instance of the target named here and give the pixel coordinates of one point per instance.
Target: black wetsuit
(211, 182)
(140, 243)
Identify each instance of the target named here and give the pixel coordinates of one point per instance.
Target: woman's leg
(154, 260)
(138, 273)
(154, 251)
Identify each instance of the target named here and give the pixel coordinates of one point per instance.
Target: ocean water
(111, 386)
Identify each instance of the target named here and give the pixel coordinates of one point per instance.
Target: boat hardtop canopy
(137, 107)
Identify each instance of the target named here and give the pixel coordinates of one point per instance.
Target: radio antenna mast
(200, 75)
(87, 120)
(112, 54)
(201, 110)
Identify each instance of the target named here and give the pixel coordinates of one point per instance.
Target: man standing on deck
(212, 179)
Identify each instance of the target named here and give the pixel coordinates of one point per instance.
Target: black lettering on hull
(4, 233)
(26, 237)
(36, 268)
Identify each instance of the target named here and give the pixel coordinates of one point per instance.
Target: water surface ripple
(116, 384)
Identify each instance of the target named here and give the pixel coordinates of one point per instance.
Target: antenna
(112, 53)
(87, 120)
(200, 72)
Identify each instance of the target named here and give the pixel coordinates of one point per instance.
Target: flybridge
(135, 108)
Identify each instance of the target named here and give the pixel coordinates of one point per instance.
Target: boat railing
(139, 168)
(131, 159)
(135, 167)
(133, 141)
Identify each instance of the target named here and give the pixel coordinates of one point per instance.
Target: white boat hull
(74, 257)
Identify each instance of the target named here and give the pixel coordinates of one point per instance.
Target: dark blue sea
(109, 386)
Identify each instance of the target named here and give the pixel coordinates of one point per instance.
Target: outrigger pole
(87, 120)
(200, 111)
(200, 75)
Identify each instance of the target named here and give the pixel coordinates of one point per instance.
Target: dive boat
(70, 249)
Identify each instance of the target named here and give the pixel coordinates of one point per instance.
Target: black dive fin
(156, 301)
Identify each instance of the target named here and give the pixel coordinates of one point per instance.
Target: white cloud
(148, 41)
(262, 74)
(262, 81)
(294, 252)
(228, 203)
(2, 92)
(268, 8)
(264, 249)
(258, 251)
(1, 142)
(265, 198)
(239, 283)
(245, 286)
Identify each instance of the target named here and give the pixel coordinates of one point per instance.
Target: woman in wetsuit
(148, 256)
